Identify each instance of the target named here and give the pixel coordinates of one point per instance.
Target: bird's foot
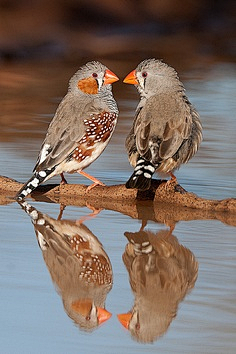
(98, 183)
(94, 213)
(172, 182)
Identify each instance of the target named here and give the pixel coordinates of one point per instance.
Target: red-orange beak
(131, 78)
(124, 319)
(103, 315)
(110, 77)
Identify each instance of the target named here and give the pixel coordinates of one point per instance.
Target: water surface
(33, 317)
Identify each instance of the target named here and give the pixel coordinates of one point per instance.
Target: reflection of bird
(166, 131)
(81, 128)
(78, 265)
(161, 272)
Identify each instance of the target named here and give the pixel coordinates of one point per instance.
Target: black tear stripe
(142, 175)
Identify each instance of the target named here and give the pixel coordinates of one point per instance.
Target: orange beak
(124, 319)
(131, 78)
(110, 77)
(103, 315)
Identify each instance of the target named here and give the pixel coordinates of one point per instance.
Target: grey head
(153, 77)
(92, 78)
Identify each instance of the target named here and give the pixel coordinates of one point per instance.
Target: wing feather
(65, 130)
(165, 120)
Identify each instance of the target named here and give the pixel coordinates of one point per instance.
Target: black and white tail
(142, 176)
(33, 183)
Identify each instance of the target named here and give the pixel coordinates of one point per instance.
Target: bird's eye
(87, 318)
(94, 75)
(144, 74)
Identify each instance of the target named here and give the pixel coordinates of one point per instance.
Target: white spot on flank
(147, 175)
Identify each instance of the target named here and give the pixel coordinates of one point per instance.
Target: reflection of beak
(131, 78)
(110, 77)
(124, 319)
(102, 315)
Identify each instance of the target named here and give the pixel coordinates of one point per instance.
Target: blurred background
(42, 44)
(188, 30)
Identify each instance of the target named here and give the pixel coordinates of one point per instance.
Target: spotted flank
(94, 268)
(33, 183)
(99, 129)
(142, 176)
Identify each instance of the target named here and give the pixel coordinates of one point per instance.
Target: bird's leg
(144, 224)
(173, 180)
(94, 213)
(63, 180)
(62, 208)
(93, 179)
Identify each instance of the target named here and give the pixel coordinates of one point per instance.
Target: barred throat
(142, 175)
(107, 97)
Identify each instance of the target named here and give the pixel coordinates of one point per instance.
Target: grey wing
(130, 142)
(64, 131)
(162, 126)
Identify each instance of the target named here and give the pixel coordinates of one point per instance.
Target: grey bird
(166, 131)
(78, 264)
(81, 128)
(161, 273)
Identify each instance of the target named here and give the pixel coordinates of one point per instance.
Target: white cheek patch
(100, 83)
(44, 153)
(141, 83)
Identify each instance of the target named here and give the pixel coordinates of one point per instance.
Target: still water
(183, 297)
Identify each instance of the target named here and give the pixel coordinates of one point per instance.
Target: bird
(166, 131)
(78, 264)
(161, 273)
(80, 129)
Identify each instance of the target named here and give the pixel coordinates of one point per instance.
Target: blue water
(33, 318)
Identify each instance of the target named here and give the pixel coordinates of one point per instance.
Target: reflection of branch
(159, 204)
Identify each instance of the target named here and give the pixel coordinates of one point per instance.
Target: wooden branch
(165, 202)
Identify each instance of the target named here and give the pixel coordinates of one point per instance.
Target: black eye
(144, 74)
(95, 75)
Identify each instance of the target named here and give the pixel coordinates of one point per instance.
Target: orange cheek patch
(89, 86)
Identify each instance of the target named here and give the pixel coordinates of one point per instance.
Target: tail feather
(33, 183)
(142, 176)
